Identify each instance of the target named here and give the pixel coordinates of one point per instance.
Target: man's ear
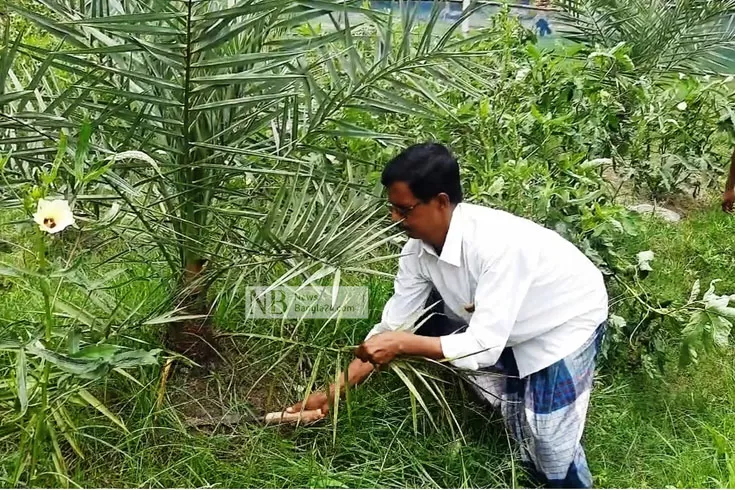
(443, 199)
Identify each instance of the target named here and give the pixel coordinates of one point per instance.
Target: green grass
(641, 432)
(700, 247)
(674, 430)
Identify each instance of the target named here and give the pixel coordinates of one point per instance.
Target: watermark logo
(307, 302)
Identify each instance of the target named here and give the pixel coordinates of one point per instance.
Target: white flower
(682, 106)
(522, 74)
(682, 76)
(53, 216)
(729, 79)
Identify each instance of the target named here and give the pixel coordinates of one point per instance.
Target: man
(533, 304)
(728, 198)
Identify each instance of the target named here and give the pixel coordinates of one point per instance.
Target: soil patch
(683, 203)
(235, 390)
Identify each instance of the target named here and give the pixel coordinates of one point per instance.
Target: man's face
(419, 219)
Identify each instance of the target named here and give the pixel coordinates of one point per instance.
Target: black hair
(428, 168)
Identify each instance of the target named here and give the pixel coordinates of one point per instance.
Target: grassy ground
(641, 432)
(679, 430)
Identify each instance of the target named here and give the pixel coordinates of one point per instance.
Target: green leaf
(9, 270)
(74, 312)
(720, 331)
(101, 352)
(73, 339)
(56, 456)
(243, 7)
(414, 392)
(617, 322)
(81, 151)
(63, 423)
(496, 188)
(241, 77)
(20, 380)
(644, 260)
(84, 368)
(135, 358)
(128, 376)
(170, 318)
(48, 24)
(11, 96)
(248, 59)
(694, 295)
(242, 101)
(129, 19)
(335, 401)
(335, 286)
(99, 406)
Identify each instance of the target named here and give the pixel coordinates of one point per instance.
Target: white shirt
(531, 289)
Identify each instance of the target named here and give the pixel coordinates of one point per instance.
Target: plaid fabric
(546, 411)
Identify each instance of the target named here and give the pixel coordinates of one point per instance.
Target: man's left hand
(382, 348)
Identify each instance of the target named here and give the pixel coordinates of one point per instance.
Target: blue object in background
(543, 27)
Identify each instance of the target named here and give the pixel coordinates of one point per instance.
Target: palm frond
(663, 35)
(219, 91)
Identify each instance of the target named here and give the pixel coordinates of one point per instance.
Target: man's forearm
(408, 345)
(730, 185)
(422, 346)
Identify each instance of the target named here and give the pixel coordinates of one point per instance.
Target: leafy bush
(544, 134)
(73, 329)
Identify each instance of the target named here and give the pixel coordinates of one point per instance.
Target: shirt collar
(452, 249)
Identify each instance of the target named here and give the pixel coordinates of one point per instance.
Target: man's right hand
(321, 400)
(317, 400)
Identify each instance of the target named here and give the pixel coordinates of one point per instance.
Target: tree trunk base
(196, 340)
(246, 387)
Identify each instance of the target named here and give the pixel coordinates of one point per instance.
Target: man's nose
(395, 216)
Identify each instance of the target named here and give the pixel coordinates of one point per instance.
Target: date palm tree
(218, 127)
(662, 35)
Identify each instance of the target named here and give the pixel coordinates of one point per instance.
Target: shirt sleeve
(411, 290)
(501, 290)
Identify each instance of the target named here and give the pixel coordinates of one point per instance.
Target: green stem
(45, 288)
(48, 330)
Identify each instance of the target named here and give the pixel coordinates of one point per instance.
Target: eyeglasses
(401, 211)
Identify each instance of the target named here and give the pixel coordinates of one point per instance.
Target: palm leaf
(662, 35)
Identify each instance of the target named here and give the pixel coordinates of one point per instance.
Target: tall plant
(220, 101)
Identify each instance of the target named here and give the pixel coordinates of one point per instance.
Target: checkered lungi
(545, 412)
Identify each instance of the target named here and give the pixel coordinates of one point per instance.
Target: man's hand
(318, 400)
(381, 349)
(356, 372)
(728, 201)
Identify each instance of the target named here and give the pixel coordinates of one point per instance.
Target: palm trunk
(194, 338)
